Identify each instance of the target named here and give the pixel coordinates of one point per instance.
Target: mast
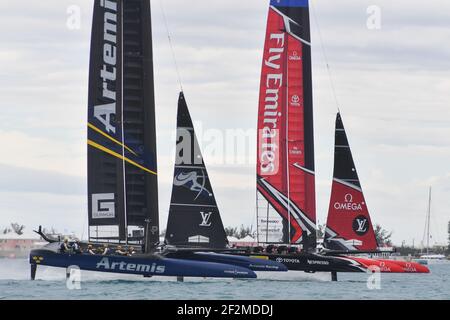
(122, 170)
(286, 211)
(123, 129)
(428, 221)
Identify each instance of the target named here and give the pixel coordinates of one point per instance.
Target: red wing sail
(349, 227)
(286, 181)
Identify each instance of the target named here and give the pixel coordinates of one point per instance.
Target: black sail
(194, 219)
(122, 163)
(344, 165)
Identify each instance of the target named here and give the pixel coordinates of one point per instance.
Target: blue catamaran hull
(252, 263)
(144, 265)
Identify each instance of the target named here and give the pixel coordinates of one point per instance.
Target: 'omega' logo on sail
(349, 205)
(295, 56)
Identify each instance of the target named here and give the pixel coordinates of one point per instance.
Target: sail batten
(286, 179)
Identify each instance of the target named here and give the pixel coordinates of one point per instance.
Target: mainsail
(349, 227)
(194, 219)
(286, 210)
(122, 180)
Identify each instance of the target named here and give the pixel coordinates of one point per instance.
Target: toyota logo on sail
(295, 101)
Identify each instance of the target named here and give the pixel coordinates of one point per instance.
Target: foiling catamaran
(122, 160)
(286, 212)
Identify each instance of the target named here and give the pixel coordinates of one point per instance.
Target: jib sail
(286, 211)
(349, 227)
(122, 180)
(194, 219)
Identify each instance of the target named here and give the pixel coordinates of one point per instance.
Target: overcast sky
(393, 87)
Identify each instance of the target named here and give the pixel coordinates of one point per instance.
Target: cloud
(19, 179)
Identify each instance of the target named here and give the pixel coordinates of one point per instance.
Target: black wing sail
(122, 181)
(194, 219)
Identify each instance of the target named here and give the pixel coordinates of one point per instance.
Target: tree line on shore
(383, 236)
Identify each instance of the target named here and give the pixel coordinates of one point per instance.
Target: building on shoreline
(13, 245)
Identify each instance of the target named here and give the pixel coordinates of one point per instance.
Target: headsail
(286, 210)
(194, 219)
(349, 227)
(122, 180)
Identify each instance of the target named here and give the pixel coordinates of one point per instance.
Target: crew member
(65, 247)
(105, 250)
(91, 250)
(131, 251)
(76, 247)
(120, 251)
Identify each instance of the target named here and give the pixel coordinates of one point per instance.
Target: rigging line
(174, 57)
(324, 52)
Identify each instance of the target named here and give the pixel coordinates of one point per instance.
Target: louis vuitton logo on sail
(269, 148)
(206, 219)
(108, 73)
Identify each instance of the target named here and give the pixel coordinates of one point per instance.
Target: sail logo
(206, 219)
(295, 57)
(288, 260)
(191, 179)
(106, 113)
(103, 206)
(295, 101)
(106, 264)
(349, 205)
(361, 225)
(273, 82)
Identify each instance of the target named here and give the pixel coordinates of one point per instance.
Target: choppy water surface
(15, 284)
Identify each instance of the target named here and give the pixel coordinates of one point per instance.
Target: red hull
(409, 267)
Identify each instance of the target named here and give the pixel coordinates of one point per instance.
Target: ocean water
(51, 284)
